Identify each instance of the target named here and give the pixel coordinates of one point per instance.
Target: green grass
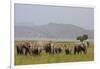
(56, 58)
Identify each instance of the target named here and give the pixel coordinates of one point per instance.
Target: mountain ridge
(51, 31)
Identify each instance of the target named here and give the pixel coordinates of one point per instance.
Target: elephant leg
(27, 51)
(78, 52)
(17, 51)
(85, 51)
(24, 51)
(75, 51)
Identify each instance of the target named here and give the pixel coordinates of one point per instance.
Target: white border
(12, 34)
(72, 3)
(46, 66)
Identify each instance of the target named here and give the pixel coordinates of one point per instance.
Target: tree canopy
(82, 38)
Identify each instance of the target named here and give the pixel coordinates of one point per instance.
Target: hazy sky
(41, 14)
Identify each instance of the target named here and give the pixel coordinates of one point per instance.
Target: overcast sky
(41, 14)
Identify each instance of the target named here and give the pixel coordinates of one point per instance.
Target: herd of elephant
(29, 48)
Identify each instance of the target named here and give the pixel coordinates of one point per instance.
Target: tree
(85, 37)
(78, 38)
(82, 38)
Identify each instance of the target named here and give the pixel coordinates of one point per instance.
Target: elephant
(52, 49)
(23, 48)
(19, 50)
(57, 50)
(80, 48)
(67, 51)
(47, 48)
(36, 51)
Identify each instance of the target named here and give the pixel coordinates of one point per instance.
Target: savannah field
(45, 58)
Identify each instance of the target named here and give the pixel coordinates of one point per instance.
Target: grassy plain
(45, 58)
